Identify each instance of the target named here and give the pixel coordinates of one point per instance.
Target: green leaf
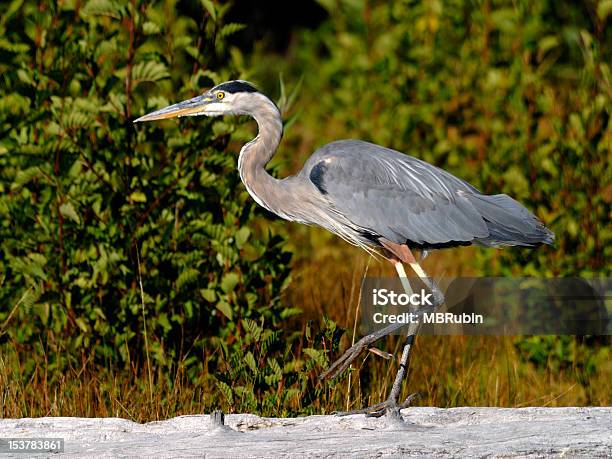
(229, 282)
(138, 196)
(230, 29)
(208, 294)
(103, 8)
(13, 47)
(242, 236)
(188, 308)
(210, 7)
(187, 276)
(149, 71)
(81, 323)
(604, 8)
(24, 176)
(225, 309)
(250, 360)
(290, 312)
(13, 7)
(226, 391)
(162, 319)
(316, 355)
(150, 28)
(68, 211)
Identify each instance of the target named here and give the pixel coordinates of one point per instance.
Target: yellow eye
(220, 95)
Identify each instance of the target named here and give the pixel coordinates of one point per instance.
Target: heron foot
(389, 408)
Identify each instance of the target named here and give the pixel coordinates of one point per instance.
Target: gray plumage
(363, 192)
(406, 200)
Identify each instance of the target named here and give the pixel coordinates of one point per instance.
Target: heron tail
(509, 223)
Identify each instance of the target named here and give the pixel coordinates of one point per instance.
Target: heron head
(230, 98)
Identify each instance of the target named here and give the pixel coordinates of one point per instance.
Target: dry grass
(446, 371)
(96, 392)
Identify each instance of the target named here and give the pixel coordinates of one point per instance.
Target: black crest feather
(235, 86)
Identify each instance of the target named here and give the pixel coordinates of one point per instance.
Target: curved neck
(257, 153)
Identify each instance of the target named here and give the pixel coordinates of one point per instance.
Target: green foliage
(559, 354)
(271, 372)
(104, 224)
(585, 356)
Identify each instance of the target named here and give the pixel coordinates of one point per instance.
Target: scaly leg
(391, 407)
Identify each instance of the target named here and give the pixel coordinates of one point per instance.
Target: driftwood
(425, 432)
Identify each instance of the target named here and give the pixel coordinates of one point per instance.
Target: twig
(10, 316)
(363, 345)
(130, 65)
(144, 324)
(350, 378)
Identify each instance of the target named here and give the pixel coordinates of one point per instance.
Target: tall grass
(446, 371)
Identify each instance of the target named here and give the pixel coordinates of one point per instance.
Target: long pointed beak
(191, 107)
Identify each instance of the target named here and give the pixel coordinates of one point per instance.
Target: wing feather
(395, 195)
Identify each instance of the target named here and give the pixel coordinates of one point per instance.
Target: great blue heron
(373, 197)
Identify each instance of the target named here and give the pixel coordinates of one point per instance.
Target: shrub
(106, 226)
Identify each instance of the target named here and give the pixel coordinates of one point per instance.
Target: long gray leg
(391, 407)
